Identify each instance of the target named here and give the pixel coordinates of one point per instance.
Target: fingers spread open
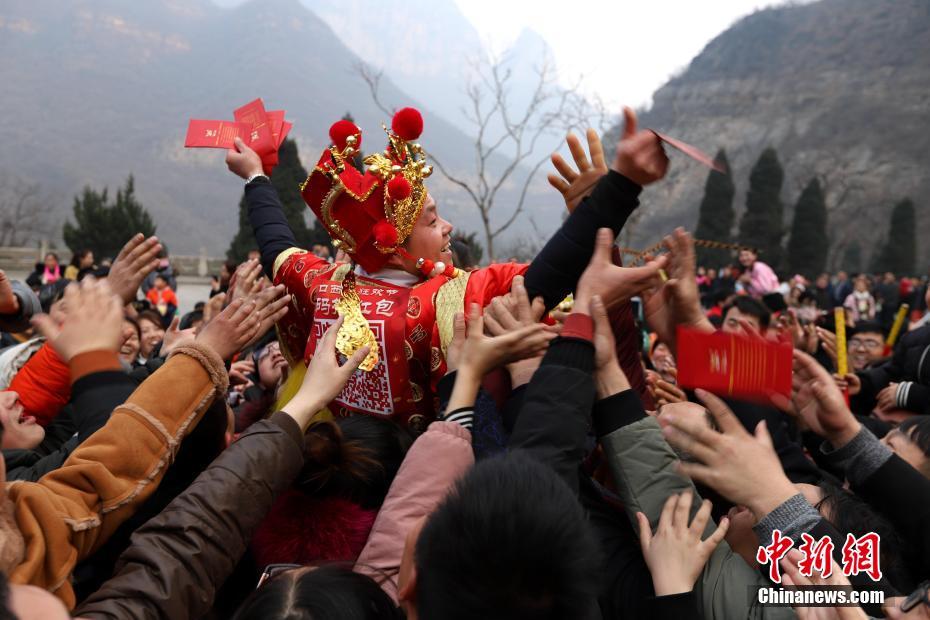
(568, 173)
(578, 154)
(725, 418)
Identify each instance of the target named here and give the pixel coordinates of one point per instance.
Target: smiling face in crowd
(20, 432)
(152, 334)
(865, 348)
(129, 349)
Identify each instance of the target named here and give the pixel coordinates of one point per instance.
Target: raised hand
(94, 321)
(137, 259)
(722, 457)
(511, 312)
(676, 301)
(675, 554)
(271, 306)
(243, 161)
(612, 283)
(175, 337)
(247, 280)
(818, 401)
(231, 329)
(640, 156)
(573, 184)
(325, 378)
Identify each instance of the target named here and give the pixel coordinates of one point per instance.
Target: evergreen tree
(761, 224)
(286, 179)
(808, 244)
(900, 252)
(104, 227)
(852, 258)
(715, 217)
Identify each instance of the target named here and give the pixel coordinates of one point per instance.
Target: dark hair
(150, 316)
(135, 323)
(752, 307)
(850, 514)
(5, 612)
(868, 327)
(330, 592)
(917, 429)
(510, 541)
(50, 293)
(355, 457)
(187, 321)
(78, 256)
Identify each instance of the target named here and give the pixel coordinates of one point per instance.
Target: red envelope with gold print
(737, 365)
(261, 139)
(214, 134)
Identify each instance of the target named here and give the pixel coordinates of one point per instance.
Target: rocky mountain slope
(841, 88)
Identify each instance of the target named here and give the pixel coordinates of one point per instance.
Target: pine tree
(715, 217)
(761, 224)
(286, 179)
(852, 258)
(808, 244)
(104, 227)
(900, 252)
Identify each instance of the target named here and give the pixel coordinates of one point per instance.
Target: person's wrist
(255, 174)
(610, 380)
(771, 498)
(842, 437)
(665, 582)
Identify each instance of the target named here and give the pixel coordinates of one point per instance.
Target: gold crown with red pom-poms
(371, 213)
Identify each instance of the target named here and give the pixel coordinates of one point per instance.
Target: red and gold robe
(413, 327)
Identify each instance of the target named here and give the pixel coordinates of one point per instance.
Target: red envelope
(260, 136)
(744, 367)
(285, 129)
(214, 134)
(691, 151)
(276, 118)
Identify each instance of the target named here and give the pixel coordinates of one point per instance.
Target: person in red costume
(400, 292)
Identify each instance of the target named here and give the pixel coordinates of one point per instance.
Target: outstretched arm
(639, 161)
(266, 215)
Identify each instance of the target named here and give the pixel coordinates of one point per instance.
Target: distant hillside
(96, 89)
(838, 87)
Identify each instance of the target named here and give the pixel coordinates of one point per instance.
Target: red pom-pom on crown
(342, 129)
(398, 188)
(385, 234)
(407, 123)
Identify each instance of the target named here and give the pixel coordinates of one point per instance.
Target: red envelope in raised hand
(691, 151)
(285, 129)
(214, 134)
(276, 118)
(744, 367)
(260, 137)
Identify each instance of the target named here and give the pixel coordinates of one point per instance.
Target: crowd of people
(372, 431)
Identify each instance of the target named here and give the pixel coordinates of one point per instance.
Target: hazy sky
(625, 65)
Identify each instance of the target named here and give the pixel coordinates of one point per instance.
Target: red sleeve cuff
(578, 325)
(84, 364)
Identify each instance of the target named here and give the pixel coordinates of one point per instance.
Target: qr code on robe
(366, 391)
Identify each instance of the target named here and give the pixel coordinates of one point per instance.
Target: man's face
(731, 322)
(865, 348)
(431, 237)
(19, 432)
(747, 258)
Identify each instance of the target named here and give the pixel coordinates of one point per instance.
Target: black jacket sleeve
(556, 414)
(93, 398)
(266, 216)
(556, 269)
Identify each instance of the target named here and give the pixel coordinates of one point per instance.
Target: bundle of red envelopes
(745, 367)
(261, 130)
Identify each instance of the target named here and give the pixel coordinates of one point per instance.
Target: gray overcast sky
(624, 49)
